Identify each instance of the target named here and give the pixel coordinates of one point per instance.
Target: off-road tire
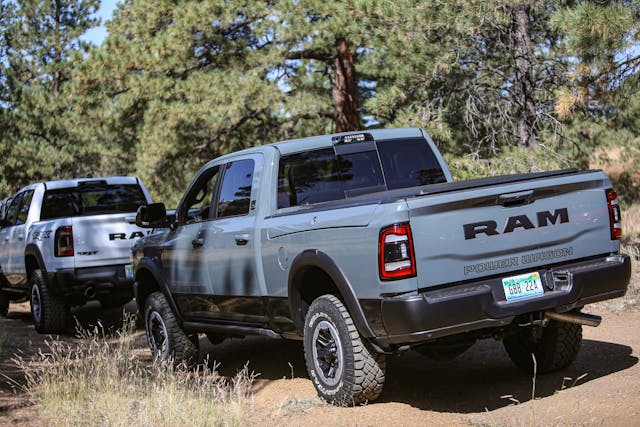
(50, 312)
(4, 305)
(556, 348)
(165, 337)
(360, 370)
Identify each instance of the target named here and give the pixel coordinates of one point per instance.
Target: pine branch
(317, 54)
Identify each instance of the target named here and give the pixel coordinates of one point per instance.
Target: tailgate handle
(515, 199)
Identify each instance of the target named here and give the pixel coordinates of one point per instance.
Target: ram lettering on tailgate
(489, 228)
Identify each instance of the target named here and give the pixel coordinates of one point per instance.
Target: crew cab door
(12, 239)
(230, 247)
(183, 257)
(210, 261)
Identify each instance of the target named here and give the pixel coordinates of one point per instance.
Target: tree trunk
(345, 89)
(523, 85)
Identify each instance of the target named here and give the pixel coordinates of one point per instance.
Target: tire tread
(54, 310)
(556, 350)
(369, 366)
(184, 348)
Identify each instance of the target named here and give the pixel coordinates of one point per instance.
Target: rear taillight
(395, 253)
(64, 241)
(614, 214)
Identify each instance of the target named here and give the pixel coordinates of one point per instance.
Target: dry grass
(631, 223)
(630, 246)
(632, 297)
(101, 382)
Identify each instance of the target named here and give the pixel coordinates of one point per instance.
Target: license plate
(128, 271)
(522, 287)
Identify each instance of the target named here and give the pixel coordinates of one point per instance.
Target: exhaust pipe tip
(574, 317)
(90, 292)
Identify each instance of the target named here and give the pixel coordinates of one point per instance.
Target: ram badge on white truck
(63, 243)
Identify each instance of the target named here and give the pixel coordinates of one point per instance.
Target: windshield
(93, 198)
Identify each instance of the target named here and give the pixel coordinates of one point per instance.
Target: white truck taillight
(395, 253)
(64, 241)
(614, 214)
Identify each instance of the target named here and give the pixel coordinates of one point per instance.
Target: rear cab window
(92, 198)
(352, 169)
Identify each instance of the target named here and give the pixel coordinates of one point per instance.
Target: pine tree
(181, 83)
(41, 46)
(603, 38)
(480, 75)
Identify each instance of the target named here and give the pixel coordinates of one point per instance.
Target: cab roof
(324, 141)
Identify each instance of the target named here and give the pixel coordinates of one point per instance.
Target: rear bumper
(101, 281)
(478, 305)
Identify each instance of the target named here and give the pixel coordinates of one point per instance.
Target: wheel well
(146, 285)
(30, 264)
(308, 284)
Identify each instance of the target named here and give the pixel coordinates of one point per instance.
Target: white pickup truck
(63, 243)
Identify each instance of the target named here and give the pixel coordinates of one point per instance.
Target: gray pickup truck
(361, 245)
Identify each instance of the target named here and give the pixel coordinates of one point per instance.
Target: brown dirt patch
(600, 388)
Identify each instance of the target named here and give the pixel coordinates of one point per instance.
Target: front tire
(49, 311)
(166, 339)
(554, 347)
(343, 368)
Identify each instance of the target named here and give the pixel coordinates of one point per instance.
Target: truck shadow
(86, 318)
(477, 381)
(482, 378)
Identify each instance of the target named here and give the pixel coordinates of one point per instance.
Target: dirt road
(601, 388)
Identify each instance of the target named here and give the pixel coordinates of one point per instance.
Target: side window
(12, 210)
(307, 178)
(197, 204)
(23, 210)
(235, 194)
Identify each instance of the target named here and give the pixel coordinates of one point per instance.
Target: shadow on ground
(474, 382)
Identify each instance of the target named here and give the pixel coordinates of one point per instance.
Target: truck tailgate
(104, 239)
(514, 227)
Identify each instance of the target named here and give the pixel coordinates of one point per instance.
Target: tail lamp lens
(614, 214)
(64, 241)
(396, 257)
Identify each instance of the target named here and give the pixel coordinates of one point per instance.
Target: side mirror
(152, 216)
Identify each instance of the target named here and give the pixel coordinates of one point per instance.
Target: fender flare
(318, 259)
(147, 264)
(33, 250)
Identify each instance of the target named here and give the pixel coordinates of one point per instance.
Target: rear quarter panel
(349, 236)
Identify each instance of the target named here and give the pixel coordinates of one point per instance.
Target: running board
(228, 329)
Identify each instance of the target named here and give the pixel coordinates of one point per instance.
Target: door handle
(198, 242)
(241, 239)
